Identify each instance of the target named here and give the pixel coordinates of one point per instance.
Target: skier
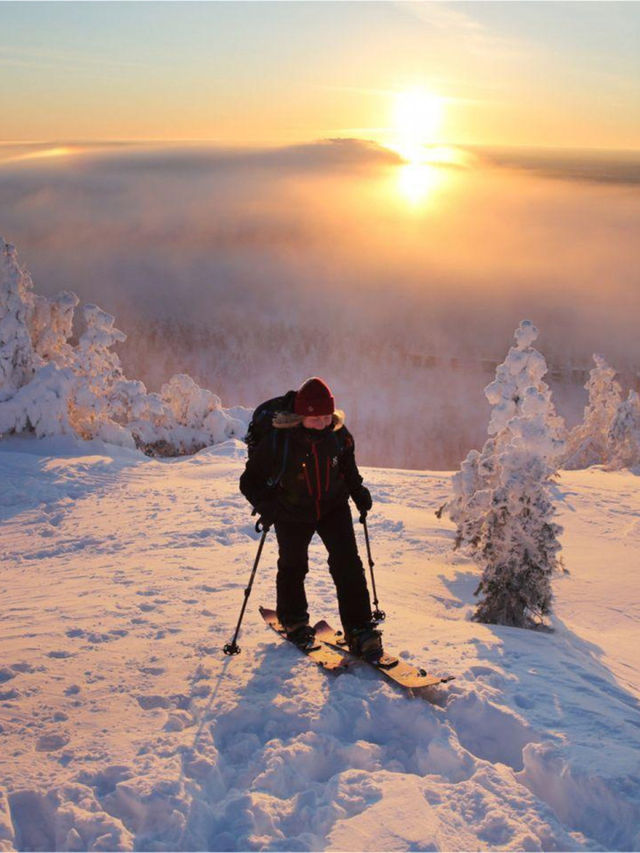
(300, 480)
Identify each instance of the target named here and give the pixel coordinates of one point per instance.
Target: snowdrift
(124, 727)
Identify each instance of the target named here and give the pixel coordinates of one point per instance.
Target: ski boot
(366, 642)
(302, 635)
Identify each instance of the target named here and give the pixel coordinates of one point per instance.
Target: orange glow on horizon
(45, 153)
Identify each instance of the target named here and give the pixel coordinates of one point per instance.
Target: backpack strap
(273, 481)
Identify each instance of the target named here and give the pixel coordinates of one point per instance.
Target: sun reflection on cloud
(417, 181)
(49, 153)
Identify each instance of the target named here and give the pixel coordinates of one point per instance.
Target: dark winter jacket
(315, 471)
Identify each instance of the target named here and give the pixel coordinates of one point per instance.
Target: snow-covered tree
(471, 490)
(181, 419)
(589, 443)
(94, 355)
(501, 501)
(50, 387)
(523, 369)
(41, 406)
(198, 409)
(518, 542)
(97, 370)
(16, 308)
(51, 327)
(624, 434)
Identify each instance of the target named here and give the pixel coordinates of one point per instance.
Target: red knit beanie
(313, 398)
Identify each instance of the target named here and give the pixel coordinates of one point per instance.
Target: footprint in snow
(6, 674)
(51, 741)
(524, 702)
(96, 636)
(150, 703)
(6, 695)
(179, 720)
(152, 670)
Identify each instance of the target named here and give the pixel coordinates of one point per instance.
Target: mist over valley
(400, 284)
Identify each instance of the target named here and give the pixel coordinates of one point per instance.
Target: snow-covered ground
(123, 726)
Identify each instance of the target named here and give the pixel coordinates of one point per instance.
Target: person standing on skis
(299, 478)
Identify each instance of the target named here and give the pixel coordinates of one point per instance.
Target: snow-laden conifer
(472, 487)
(147, 417)
(590, 443)
(16, 308)
(51, 328)
(94, 354)
(523, 368)
(97, 368)
(197, 408)
(42, 406)
(49, 387)
(518, 542)
(624, 434)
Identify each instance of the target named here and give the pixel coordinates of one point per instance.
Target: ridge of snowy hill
(123, 726)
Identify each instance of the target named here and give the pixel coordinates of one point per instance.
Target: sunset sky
(519, 73)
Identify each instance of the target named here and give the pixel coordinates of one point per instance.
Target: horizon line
(307, 141)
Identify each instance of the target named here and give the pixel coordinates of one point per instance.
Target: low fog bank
(251, 270)
(597, 166)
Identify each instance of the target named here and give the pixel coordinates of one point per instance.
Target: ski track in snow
(123, 726)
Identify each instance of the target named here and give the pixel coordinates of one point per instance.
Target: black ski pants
(336, 531)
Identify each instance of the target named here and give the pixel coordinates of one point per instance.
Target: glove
(362, 500)
(267, 511)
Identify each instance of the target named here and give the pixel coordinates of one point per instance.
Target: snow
(123, 726)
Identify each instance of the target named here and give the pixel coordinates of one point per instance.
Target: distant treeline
(407, 408)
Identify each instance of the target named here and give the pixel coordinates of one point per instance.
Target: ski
(396, 670)
(326, 656)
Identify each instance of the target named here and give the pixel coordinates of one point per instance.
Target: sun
(417, 118)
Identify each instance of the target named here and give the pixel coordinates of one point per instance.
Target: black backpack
(261, 422)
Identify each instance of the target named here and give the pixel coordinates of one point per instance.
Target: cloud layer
(254, 269)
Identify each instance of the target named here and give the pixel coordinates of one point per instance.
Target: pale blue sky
(512, 72)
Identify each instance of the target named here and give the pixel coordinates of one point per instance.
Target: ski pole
(377, 615)
(233, 648)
